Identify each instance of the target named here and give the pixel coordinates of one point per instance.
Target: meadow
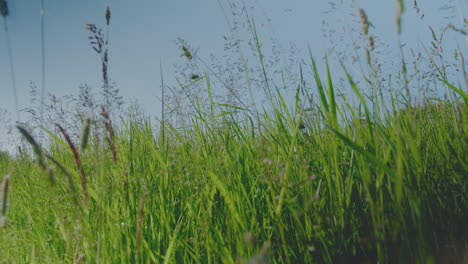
(315, 179)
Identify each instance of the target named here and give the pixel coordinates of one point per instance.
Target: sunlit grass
(231, 190)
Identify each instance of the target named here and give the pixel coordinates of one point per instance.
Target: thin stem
(12, 68)
(163, 106)
(106, 61)
(241, 54)
(43, 81)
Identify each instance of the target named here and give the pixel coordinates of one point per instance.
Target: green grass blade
(318, 82)
(368, 155)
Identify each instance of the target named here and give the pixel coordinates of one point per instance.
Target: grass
(227, 191)
(325, 181)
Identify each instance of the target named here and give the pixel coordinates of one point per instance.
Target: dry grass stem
(76, 158)
(110, 130)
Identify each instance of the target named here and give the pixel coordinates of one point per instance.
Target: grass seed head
(368, 56)
(187, 53)
(37, 149)
(364, 21)
(370, 38)
(4, 8)
(90, 27)
(4, 190)
(85, 133)
(110, 130)
(108, 14)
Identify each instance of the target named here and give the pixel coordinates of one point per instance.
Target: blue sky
(142, 32)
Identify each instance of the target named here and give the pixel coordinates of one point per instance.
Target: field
(304, 181)
(292, 189)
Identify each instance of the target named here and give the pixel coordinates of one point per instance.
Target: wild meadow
(378, 175)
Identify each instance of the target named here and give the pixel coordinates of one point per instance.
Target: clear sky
(142, 32)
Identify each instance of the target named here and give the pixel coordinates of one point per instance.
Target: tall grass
(227, 191)
(312, 180)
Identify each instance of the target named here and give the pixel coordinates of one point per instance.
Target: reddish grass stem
(78, 163)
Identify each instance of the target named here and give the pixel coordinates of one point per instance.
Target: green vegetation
(316, 180)
(234, 191)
